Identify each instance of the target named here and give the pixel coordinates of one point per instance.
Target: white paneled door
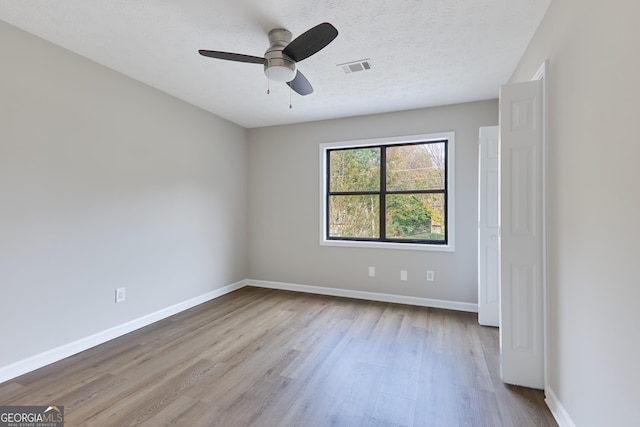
(521, 234)
(488, 228)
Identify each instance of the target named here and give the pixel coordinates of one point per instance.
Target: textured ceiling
(423, 52)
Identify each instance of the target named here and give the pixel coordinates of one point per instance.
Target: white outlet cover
(403, 274)
(430, 277)
(120, 294)
(372, 271)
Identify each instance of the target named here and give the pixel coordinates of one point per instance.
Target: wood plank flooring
(259, 357)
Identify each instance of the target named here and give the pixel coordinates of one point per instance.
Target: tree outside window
(388, 192)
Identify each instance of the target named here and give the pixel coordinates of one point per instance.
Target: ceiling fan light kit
(280, 69)
(281, 58)
(277, 66)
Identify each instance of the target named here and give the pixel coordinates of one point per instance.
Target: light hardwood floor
(259, 357)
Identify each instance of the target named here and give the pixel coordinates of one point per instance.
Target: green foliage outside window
(388, 193)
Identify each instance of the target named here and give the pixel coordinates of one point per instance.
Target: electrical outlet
(372, 271)
(120, 295)
(403, 274)
(430, 277)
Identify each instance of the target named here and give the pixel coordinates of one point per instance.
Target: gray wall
(285, 213)
(593, 205)
(106, 183)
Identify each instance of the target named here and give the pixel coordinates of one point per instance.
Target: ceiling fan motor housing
(278, 66)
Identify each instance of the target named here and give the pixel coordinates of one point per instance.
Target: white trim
(372, 296)
(54, 355)
(425, 137)
(557, 410)
(542, 74)
(451, 214)
(542, 71)
(388, 245)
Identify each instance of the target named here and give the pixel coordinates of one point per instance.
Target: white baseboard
(557, 410)
(373, 296)
(38, 361)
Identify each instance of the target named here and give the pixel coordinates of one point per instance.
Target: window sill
(387, 245)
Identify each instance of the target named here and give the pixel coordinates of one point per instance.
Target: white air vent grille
(355, 66)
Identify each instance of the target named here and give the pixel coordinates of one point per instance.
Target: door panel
(521, 234)
(488, 216)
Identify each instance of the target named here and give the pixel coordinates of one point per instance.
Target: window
(389, 192)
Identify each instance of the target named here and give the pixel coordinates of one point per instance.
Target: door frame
(542, 74)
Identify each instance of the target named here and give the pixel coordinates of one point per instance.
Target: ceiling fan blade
(300, 84)
(310, 42)
(232, 56)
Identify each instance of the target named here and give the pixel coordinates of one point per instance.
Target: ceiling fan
(283, 54)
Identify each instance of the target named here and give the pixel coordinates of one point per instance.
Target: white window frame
(449, 136)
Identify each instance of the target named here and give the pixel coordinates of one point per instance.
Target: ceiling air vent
(355, 66)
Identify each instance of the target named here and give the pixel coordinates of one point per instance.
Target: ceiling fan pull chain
(268, 85)
(290, 105)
